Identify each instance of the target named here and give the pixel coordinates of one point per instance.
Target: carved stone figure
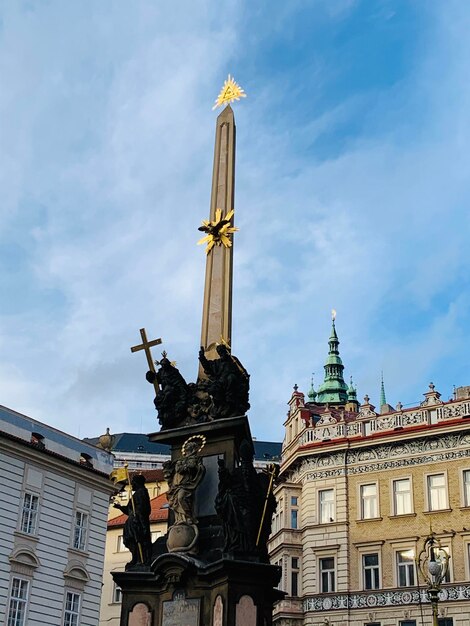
(201, 405)
(136, 535)
(171, 401)
(240, 504)
(183, 477)
(229, 383)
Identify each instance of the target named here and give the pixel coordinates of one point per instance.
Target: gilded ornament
(230, 91)
(218, 231)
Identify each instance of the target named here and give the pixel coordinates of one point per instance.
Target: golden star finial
(217, 231)
(230, 91)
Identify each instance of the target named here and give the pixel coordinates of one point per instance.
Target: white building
(53, 517)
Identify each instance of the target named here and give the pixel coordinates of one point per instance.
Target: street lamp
(433, 565)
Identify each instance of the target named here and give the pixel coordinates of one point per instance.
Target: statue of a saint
(183, 476)
(245, 504)
(136, 535)
(229, 383)
(171, 401)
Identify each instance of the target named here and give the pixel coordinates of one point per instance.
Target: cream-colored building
(116, 554)
(361, 490)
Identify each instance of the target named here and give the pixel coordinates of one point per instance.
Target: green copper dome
(333, 390)
(352, 392)
(312, 394)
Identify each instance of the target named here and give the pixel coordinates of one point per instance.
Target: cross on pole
(145, 346)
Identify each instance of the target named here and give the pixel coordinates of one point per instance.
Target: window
(327, 506)
(72, 609)
(117, 594)
(402, 496)
(405, 568)
(18, 602)
(369, 508)
(277, 519)
(445, 621)
(29, 513)
(294, 577)
(294, 512)
(327, 574)
(294, 517)
(408, 622)
(370, 568)
(466, 488)
(438, 555)
(279, 564)
(437, 493)
(120, 544)
(79, 534)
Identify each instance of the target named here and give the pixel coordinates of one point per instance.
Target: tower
(333, 390)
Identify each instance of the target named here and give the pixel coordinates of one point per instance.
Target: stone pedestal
(223, 439)
(203, 587)
(180, 590)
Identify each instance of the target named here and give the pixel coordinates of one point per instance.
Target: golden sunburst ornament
(218, 231)
(230, 91)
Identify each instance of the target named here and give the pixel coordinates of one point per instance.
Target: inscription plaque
(181, 611)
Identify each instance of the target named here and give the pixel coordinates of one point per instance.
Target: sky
(352, 193)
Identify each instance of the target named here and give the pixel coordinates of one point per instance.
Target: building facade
(55, 495)
(361, 490)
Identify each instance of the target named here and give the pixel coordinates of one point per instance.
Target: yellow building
(361, 490)
(116, 554)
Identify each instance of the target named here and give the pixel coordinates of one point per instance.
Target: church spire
(382, 392)
(333, 389)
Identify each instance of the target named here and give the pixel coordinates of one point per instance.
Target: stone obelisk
(217, 309)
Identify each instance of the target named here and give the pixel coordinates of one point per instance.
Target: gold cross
(146, 345)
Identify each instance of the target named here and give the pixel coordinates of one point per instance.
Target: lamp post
(433, 564)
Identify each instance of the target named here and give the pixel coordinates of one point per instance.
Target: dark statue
(172, 399)
(136, 535)
(229, 383)
(223, 394)
(240, 504)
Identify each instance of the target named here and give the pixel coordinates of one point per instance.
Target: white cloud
(107, 175)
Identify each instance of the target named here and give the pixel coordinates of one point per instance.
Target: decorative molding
(23, 560)
(384, 598)
(445, 447)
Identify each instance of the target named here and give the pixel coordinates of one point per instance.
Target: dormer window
(38, 440)
(86, 459)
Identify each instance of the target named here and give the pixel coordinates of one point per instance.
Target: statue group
(244, 502)
(224, 393)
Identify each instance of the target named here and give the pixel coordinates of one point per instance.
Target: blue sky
(352, 193)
